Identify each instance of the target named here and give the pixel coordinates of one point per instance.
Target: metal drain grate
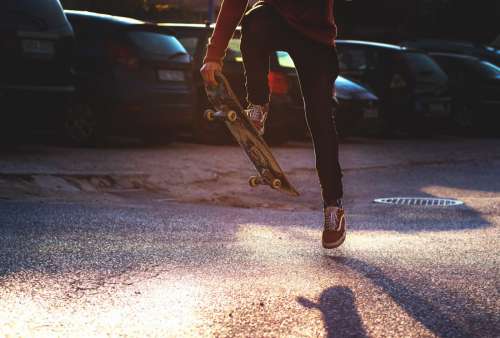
(419, 201)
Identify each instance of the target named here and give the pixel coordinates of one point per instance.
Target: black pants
(264, 31)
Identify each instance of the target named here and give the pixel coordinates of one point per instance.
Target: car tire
(82, 125)
(276, 136)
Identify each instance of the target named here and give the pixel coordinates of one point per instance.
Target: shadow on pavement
(340, 316)
(424, 310)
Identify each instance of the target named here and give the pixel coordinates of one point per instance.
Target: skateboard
(228, 109)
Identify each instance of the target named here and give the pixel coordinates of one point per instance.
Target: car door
(91, 58)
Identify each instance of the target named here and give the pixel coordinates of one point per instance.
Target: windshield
(157, 43)
(424, 68)
(32, 14)
(190, 43)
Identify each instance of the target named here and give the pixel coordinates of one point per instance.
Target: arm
(229, 17)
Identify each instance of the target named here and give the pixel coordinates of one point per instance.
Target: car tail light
(398, 81)
(278, 83)
(123, 55)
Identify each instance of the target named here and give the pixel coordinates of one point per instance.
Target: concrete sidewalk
(218, 174)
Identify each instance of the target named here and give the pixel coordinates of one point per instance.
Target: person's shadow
(340, 316)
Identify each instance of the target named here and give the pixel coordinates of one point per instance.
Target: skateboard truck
(274, 183)
(229, 110)
(212, 115)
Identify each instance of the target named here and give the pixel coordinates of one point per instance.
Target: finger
(211, 77)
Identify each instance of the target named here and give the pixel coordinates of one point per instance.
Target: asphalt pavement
(145, 265)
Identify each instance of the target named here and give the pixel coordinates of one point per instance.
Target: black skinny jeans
(264, 31)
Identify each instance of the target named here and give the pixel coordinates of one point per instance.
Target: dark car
(496, 44)
(488, 53)
(412, 88)
(287, 108)
(36, 43)
(475, 86)
(134, 78)
(355, 108)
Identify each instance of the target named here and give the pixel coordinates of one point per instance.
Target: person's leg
(317, 66)
(264, 31)
(260, 30)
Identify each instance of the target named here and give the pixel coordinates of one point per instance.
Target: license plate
(171, 75)
(39, 47)
(370, 113)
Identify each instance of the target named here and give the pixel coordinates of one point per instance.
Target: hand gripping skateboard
(228, 109)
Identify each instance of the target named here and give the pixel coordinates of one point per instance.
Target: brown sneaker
(258, 115)
(335, 227)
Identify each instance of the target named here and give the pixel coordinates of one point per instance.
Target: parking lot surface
(170, 241)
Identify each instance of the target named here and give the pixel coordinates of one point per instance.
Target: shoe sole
(333, 245)
(336, 244)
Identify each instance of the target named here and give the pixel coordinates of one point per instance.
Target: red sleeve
(229, 17)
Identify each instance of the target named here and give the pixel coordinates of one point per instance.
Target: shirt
(312, 18)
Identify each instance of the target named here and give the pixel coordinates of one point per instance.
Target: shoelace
(255, 114)
(331, 220)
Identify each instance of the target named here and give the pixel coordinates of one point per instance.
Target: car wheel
(81, 124)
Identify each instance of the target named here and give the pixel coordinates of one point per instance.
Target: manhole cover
(420, 201)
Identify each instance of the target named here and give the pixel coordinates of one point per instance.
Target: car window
(157, 43)
(455, 70)
(361, 65)
(81, 26)
(30, 14)
(190, 43)
(357, 62)
(424, 68)
(285, 60)
(234, 51)
(353, 61)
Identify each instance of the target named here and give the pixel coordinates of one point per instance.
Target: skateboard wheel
(231, 116)
(209, 115)
(253, 181)
(276, 183)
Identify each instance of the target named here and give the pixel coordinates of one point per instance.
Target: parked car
(496, 44)
(36, 81)
(134, 78)
(475, 86)
(287, 108)
(412, 88)
(488, 53)
(355, 108)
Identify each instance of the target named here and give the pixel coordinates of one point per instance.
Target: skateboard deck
(228, 109)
